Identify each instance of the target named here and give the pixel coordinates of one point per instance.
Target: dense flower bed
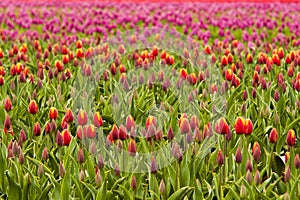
(149, 101)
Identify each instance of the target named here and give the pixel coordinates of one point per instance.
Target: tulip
(62, 170)
(224, 60)
(122, 133)
(151, 120)
(7, 122)
(114, 132)
(287, 174)
(97, 121)
(45, 154)
(297, 161)
(239, 125)
(170, 135)
(153, 166)
(33, 107)
(183, 73)
(117, 170)
(220, 158)
(129, 122)
(248, 177)
(80, 156)
(273, 137)
(7, 104)
(162, 187)
(58, 65)
(222, 127)
(98, 178)
(249, 165)
(82, 118)
(21, 157)
(69, 116)
(185, 126)
(53, 113)
(132, 147)
(59, 139)
(37, 129)
(291, 138)
(66, 137)
(228, 74)
(256, 151)
(133, 183)
(238, 155)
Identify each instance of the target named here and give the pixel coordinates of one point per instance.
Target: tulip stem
(177, 168)
(224, 168)
(270, 168)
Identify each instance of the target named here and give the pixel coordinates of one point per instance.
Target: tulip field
(149, 100)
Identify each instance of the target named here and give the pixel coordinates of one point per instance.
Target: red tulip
(273, 137)
(239, 125)
(220, 158)
(183, 73)
(248, 127)
(256, 151)
(79, 132)
(114, 132)
(132, 147)
(185, 126)
(69, 116)
(7, 104)
(228, 74)
(291, 138)
(66, 137)
(37, 129)
(224, 60)
(221, 126)
(53, 113)
(97, 121)
(129, 122)
(151, 120)
(33, 107)
(90, 131)
(82, 118)
(58, 65)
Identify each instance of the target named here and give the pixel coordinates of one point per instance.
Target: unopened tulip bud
(45, 154)
(59, 139)
(291, 138)
(249, 165)
(287, 174)
(273, 137)
(81, 175)
(37, 129)
(21, 157)
(7, 122)
(100, 162)
(7, 104)
(249, 177)
(153, 166)
(62, 170)
(243, 192)
(162, 187)
(238, 155)
(256, 152)
(257, 179)
(133, 183)
(33, 107)
(220, 158)
(117, 170)
(98, 179)
(297, 161)
(40, 171)
(80, 156)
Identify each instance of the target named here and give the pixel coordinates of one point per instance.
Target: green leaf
(198, 195)
(66, 186)
(14, 189)
(179, 194)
